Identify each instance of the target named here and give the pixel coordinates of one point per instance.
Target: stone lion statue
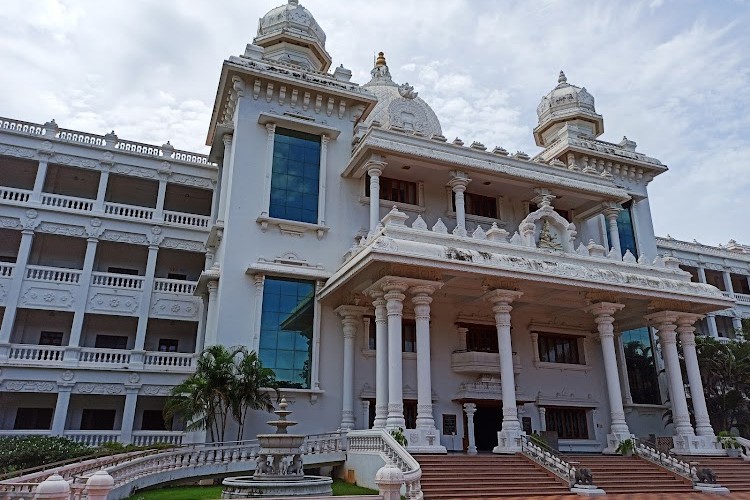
(706, 475)
(584, 476)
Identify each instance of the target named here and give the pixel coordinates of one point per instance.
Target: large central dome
(398, 105)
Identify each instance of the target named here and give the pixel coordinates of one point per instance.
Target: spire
(380, 61)
(293, 2)
(380, 72)
(562, 78)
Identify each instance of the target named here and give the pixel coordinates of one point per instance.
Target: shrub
(23, 452)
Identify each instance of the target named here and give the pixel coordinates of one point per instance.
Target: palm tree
(250, 389)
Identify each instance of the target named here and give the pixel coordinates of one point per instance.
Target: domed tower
(289, 33)
(567, 105)
(398, 105)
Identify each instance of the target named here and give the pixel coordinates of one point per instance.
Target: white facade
(390, 277)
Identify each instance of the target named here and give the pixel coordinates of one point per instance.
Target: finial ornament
(380, 61)
(562, 78)
(293, 2)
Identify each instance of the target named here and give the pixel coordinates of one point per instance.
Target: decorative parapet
(731, 251)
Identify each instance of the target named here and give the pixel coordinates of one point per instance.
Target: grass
(214, 492)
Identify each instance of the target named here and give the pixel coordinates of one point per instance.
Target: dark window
(98, 420)
(410, 413)
(111, 342)
(565, 214)
(122, 270)
(570, 423)
(177, 276)
(639, 358)
(408, 335)
(558, 349)
(295, 176)
(481, 338)
(33, 418)
(477, 204)
(626, 230)
(11, 259)
(168, 345)
(153, 420)
(449, 424)
(51, 338)
(286, 330)
(395, 190)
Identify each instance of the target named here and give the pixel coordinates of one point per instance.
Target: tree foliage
(22, 452)
(725, 371)
(227, 382)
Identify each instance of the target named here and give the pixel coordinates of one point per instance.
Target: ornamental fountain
(278, 470)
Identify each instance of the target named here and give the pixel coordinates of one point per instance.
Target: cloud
(670, 75)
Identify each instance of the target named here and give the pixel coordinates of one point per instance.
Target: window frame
(450, 209)
(627, 207)
(581, 418)
(419, 207)
(368, 342)
(581, 338)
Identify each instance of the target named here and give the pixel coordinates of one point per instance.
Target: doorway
(488, 421)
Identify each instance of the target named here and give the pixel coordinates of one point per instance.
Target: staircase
(618, 474)
(485, 476)
(733, 473)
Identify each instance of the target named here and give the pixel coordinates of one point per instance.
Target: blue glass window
(295, 176)
(286, 330)
(639, 358)
(626, 230)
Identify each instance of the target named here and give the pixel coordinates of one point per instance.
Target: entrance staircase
(733, 473)
(485, 476)
(618, 474)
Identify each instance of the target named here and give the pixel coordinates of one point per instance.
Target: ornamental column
(61, 409)
(509, 438)
(374, 170)
(458, 185)
(79, 313)
(128, 415)
(381, 360)
(611, 213)
(728, 287)
(542, 418)
(470, 409)
(224, 186)
(428, 434)
(351, 316)
(394, 297)
(604, 318)
(148, 288)
(683, 430)
(703, 429)
(212, 316)
(14, 292)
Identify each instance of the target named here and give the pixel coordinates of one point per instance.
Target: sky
(674, 76)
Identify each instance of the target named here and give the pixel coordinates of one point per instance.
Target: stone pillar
(428, 434)
(351, 316)
(461, 331)
(14, 292)
(128, 415)
(160, 195)
(41, 174)
(542, 418)
(604, 318)
(212, 316)
(322, 179)
(270, 139)
(509, 438)
(85, 283)
(381, 360)
(394, 297)
(727, 282)
(686, 331)
(713, 330)
(737, 323)
(374, 170)
(101, 192)
(627, 397)
(148, 288)
(225, 165)
(61, 409)
(458, 185)
(260, 283)
(611, 213)
(683, 431)
(702, 274)
(470, 409)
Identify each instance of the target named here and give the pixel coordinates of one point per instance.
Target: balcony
(740, 298)
(475, 362)
(6, 275)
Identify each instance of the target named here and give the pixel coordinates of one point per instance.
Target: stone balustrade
(129, 211)
(14, 195)
(113, 280)
(185, 219)
(174, 286)
(53, 274)
(67, 202)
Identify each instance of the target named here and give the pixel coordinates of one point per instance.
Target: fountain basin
(281, 441)
(250, 487)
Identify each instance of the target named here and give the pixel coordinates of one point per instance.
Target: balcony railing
(67, 202)
(92, 438)
(480, 362)
(53, 274)
(169, 359)
(147, 438)
(33, 354)
(186, 219)
(6, 270)
(112, 280)
(174, 286)
(14, 195)
(738, 297)
(129, 211)
(96, 356)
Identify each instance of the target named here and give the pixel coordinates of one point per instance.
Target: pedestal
(424, 440)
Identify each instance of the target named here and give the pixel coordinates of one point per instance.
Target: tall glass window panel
(295, 176)
(286, 330)
(639, 358)
(626, 230)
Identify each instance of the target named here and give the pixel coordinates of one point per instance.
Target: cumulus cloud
(670, 75)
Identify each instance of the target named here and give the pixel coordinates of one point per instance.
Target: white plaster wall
(57, 251)
(80, 402)
(10, 403)
(31, 322)
(97, 324)
(109, 254)
(183, 331)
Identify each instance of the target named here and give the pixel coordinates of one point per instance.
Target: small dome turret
(399, 105)
(290, 33)
(567, 104)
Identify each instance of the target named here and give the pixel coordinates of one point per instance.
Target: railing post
(389, 479)
(99, 485)
(53, 488)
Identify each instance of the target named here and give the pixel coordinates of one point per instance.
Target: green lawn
(214, 492)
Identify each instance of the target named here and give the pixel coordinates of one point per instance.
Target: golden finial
(380, 61)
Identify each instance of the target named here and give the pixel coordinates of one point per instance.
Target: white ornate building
(390, 277)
